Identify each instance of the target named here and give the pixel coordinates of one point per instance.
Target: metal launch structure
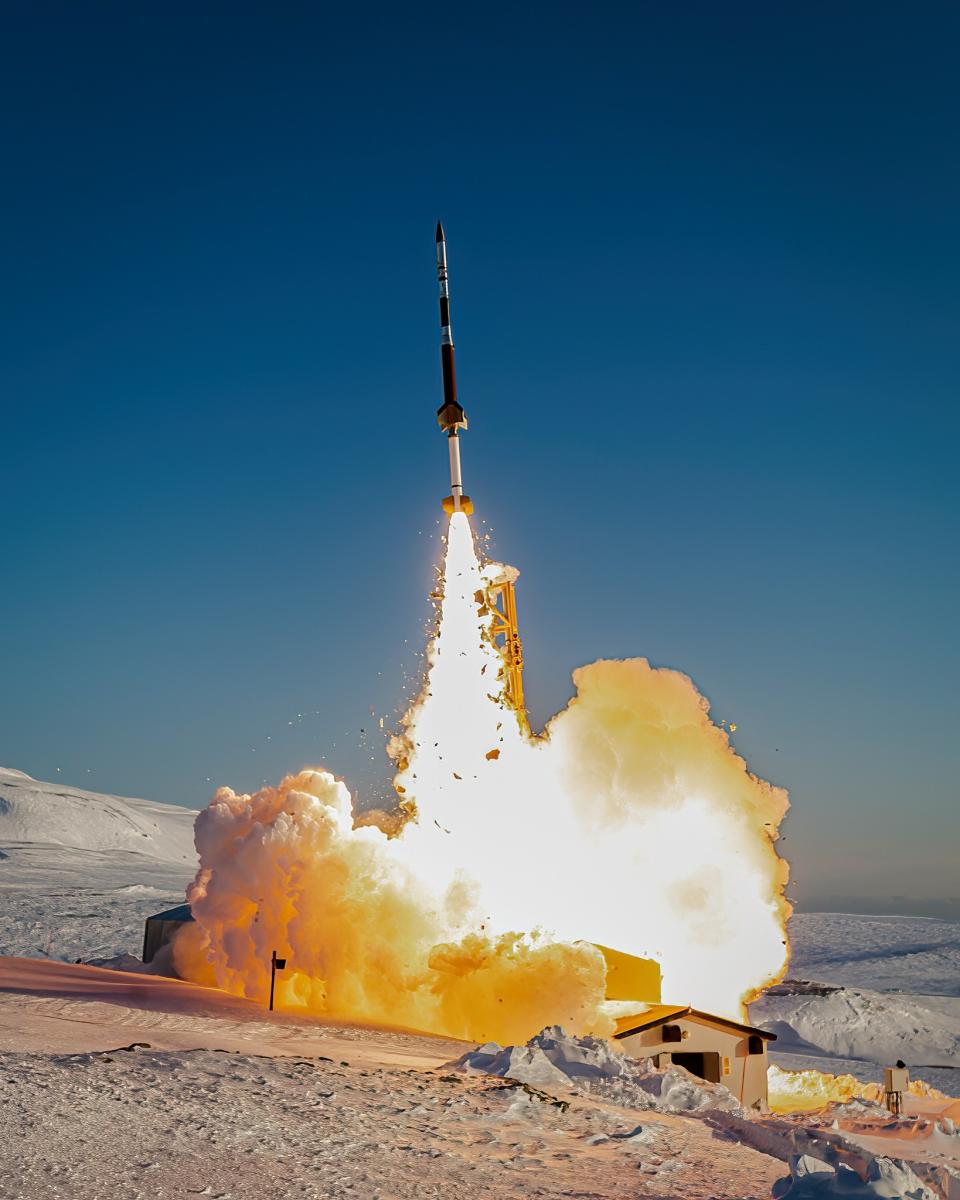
(500, 596)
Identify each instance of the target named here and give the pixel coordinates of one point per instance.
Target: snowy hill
(51, 814)
(852, 1024)
(80, 871)
(866, 990)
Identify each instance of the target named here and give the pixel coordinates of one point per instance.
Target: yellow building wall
(631, 978)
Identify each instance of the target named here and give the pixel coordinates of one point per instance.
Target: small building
(715, 1049)
(161, 927)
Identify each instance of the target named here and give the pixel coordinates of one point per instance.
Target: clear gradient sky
(704, 263)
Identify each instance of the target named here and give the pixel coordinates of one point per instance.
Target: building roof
(180, 913)
(660, 1014)
(649, 1017)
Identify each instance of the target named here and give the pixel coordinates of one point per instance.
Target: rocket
(450, 415)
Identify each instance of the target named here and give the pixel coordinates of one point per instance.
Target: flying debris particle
(456, 776)
(439, 826)
(492, 754)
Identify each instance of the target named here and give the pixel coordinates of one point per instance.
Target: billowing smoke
(364, 939)
(630, 822)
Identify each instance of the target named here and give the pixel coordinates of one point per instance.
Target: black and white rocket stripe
(450, 414)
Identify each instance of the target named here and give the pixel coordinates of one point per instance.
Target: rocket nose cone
(440, 234)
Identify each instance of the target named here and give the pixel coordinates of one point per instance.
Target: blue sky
(703, 263)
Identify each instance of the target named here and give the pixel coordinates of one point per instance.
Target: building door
(705, 1065)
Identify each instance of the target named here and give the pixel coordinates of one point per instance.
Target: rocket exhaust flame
(630, 822)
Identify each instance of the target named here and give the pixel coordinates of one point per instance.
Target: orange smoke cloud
(631, 822)
(285, 870)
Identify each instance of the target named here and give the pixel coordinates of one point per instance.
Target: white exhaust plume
(631, 822)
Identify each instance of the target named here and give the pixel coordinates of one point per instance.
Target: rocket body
(450, 414)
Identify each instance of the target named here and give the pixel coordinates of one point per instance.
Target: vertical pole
(273, 976)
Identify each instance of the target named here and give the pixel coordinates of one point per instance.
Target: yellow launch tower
(501, 599)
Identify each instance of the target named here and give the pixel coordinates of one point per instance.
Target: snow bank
(855, 1157)
(553, 1059)
(811, 1178)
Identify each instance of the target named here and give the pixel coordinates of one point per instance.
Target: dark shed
(161, 927)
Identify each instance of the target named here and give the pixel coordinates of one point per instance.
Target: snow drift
(554, 1059)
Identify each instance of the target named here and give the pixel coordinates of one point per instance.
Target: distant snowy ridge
(881, 953)
(852, 1023)
(33, 813)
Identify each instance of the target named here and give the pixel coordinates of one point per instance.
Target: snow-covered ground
(920, 955)
(79, 871)
(892, 991)
(225, 1100)
(138, 1086)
